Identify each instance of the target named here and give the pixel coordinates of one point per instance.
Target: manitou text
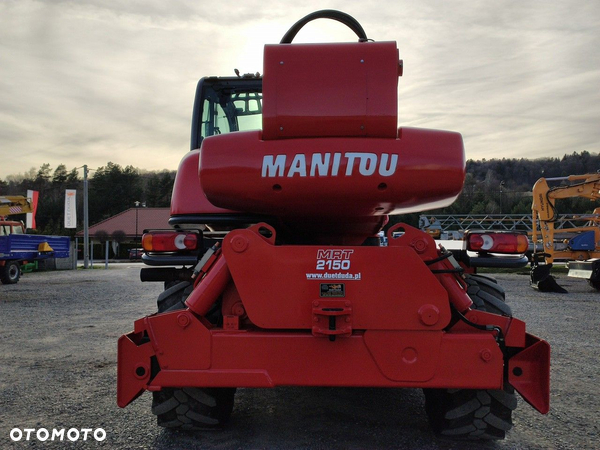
(329, 164)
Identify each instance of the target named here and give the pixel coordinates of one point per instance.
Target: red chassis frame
(283, 325)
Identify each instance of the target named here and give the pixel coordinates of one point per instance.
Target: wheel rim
(13, 272)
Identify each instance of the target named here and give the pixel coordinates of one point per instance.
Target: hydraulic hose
(344, 18)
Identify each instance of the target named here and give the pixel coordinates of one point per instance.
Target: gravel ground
(58, 337)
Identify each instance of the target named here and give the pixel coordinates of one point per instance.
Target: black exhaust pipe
(166, 274)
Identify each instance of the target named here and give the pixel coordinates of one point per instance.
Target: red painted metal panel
(171, 332)
(342, 89)
(268, 359)
(386, 287)
(252, 358)
(213, 378)
(467, 357)
(333, 177)
(405, 356)
(529, 373)
(188, 197)
(133, 369)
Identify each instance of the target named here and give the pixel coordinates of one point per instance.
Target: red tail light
(166, 241)
(497, 242)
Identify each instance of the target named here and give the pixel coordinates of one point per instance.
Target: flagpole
(86, 225)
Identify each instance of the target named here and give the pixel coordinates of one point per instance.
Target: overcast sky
(93, 81)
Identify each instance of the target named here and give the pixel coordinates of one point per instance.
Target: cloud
(93, 81)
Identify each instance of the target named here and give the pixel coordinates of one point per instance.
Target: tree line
(503, 186)
(495, 186)
(111, 189)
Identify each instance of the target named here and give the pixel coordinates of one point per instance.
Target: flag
(70, 208)
(33, 196)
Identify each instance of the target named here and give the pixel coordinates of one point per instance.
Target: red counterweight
(333, 177)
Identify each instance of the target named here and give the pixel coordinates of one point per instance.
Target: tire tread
(474, 414)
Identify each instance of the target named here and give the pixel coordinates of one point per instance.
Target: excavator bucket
(543, 281)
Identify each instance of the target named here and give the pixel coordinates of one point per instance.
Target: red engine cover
(333, 177)
(188, 197)
(324, 90)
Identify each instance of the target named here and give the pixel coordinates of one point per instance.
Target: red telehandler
(274, 274)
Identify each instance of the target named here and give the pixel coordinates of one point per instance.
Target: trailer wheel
(190, 408)
(474, 414)
(11, 272)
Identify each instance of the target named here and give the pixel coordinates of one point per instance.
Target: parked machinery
(14, 204)
(580, 246)
(18, 248)
(274, 273)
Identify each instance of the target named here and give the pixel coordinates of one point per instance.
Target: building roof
(147, 218)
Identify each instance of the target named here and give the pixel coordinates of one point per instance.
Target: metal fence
(507, 222)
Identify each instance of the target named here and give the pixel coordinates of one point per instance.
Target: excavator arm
(14, 204)
(544, 216)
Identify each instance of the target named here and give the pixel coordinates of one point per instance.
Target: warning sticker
(333, 290)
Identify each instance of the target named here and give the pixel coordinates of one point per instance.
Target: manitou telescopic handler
(275, 275)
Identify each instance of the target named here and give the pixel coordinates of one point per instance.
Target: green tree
(112, 190)
(157, 192)
(60, 175)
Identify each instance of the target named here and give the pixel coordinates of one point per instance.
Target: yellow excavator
(14, 204)
(579, 246)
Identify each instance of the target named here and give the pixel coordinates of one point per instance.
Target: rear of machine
(283, 279)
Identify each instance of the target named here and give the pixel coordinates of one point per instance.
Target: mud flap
(529, 373)
(133, 369)
(543, 281)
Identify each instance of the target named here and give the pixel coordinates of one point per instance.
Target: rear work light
(170, 241)
(497, 242)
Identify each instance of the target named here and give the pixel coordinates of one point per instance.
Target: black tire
(190, 408)
(471, 414)
(10, 273)
(595, 283)
(474, 414)
(193, 408)
(173, 297)
(487, 295)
